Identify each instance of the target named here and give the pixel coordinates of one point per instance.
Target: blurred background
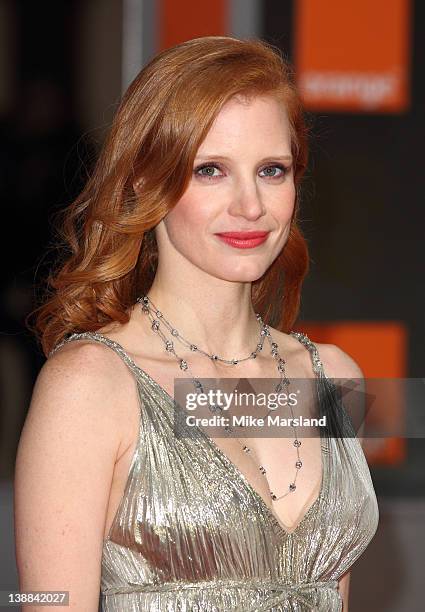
(360, 67)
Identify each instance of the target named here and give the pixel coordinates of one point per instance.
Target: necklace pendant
(183, 364)
(297, 442)
(298, 464)
(169, 345)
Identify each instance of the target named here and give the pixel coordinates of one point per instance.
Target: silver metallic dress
(191, 533)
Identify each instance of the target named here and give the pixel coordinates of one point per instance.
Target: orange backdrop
(353, 55)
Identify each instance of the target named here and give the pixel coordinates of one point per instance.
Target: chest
(278, 456)
(274, 452)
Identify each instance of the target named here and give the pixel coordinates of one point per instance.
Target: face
(242, 181)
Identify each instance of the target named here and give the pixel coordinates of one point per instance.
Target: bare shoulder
(88, 358)
(87, 380)
(78, 351)
(337, 363)
(74, 387)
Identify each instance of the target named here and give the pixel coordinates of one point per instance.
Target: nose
(247, 201)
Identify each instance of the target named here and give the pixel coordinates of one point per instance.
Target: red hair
(108, 250)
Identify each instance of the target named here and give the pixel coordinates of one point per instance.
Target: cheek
(187, 219)
(284, 204)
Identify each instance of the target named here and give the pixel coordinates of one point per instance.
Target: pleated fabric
(191, 533)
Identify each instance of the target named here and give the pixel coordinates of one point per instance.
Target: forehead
(259, 122)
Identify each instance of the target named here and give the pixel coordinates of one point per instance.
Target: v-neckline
(284, 531)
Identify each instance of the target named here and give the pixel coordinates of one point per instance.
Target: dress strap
(96, 337)
(314, 353)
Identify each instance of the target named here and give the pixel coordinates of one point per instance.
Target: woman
(209, 140)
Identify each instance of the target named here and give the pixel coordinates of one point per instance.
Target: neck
(218, 317)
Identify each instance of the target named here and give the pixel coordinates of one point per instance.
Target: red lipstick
(243, 240)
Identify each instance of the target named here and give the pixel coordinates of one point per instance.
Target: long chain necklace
(156, 319)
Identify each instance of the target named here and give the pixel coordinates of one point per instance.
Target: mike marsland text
(251, 421)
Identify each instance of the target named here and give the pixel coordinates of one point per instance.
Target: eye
(199, 171)
(207, 171)
(283, 171)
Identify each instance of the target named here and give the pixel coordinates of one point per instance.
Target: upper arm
(341, 366)
(63, 474)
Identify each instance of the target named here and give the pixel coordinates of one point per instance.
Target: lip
(243, 240)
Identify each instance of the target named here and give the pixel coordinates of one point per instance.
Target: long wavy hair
(107, 252)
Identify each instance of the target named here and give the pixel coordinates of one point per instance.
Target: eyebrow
(269, 157)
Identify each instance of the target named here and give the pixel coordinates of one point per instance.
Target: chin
(241, 275)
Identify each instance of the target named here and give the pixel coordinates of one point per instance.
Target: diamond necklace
(147, 307)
